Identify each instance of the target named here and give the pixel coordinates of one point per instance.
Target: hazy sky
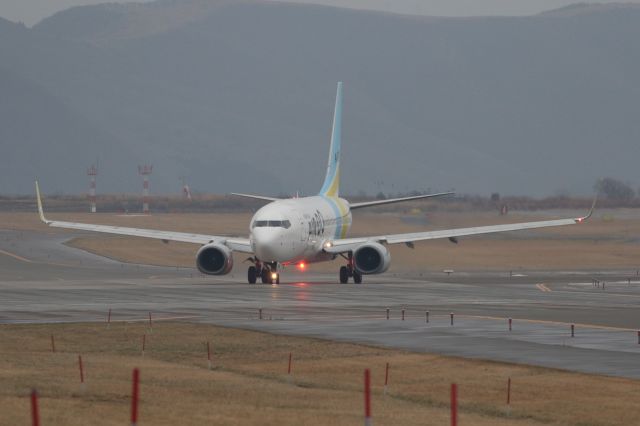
(32, 11)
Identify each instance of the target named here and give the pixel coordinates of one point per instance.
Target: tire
(357, 277)
(252, 275)
(278, 279)
(344, 275)
(265, 276)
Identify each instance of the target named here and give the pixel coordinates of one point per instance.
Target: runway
(42, 280)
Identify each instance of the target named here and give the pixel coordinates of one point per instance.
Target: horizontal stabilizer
(396, 200)
(255, 197)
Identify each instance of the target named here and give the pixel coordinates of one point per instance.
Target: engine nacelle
(371, 258)
(214, 259)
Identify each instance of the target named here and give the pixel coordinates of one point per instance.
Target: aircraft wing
(349, 244)
(237, 244)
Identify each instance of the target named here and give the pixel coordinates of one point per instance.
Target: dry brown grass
(598, 244)
(249, 385)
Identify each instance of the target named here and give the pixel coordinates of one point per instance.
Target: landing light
(328, 244)
(274, 276)
(302, 266)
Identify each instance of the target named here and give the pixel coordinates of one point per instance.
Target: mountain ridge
(240, 98)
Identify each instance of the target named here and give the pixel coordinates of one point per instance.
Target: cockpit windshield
(272, 224)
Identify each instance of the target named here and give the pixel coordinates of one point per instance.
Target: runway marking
(543, 288)
(15, 256)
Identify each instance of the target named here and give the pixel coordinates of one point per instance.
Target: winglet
(591, 210)
(39, 200)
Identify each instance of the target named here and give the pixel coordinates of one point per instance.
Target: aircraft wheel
(278, 279)
(344, 275)
(265, 276)
(357, 277)
(252, 275)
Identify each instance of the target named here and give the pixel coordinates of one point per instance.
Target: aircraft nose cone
(267, 244)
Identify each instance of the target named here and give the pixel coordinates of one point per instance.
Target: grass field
(249, 385)
(608, 241)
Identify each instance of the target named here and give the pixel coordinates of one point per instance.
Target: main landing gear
(349, 271)
(268, 272)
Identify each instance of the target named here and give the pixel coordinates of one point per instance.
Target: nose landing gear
(268, 272)
(252, 275)
(270, 276)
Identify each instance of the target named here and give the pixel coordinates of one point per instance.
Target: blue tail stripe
(338, 215)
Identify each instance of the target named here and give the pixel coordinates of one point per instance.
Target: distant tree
(495, 197)
(380, 196)
(614, 189)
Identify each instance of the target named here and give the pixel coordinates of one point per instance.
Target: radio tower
(186, 191)
(145, 171)
(92, 172)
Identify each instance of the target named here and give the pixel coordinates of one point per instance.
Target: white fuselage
(295, 230)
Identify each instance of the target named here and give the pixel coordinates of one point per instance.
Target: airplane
(300, 231)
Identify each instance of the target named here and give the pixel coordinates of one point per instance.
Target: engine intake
(371, 258)
(214, 259)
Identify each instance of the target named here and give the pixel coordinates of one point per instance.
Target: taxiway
(42, 280)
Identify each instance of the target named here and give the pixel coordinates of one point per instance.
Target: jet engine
(371, 258)
(214, 259)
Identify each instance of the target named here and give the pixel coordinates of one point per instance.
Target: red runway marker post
(454, 404)
(35, 415)
(209, 355)
(403, 315)
(367, 398)
(150, 324)
(509, 391)
(426, 314)
(134, 396)
(289, 367)
(109, 319)
(144, 343)
(81, 368)
(386, 378)
(387, 313)
(451, 315)
(510, 324)
(573, 329)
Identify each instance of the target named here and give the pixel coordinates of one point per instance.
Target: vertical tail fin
(331, 186)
